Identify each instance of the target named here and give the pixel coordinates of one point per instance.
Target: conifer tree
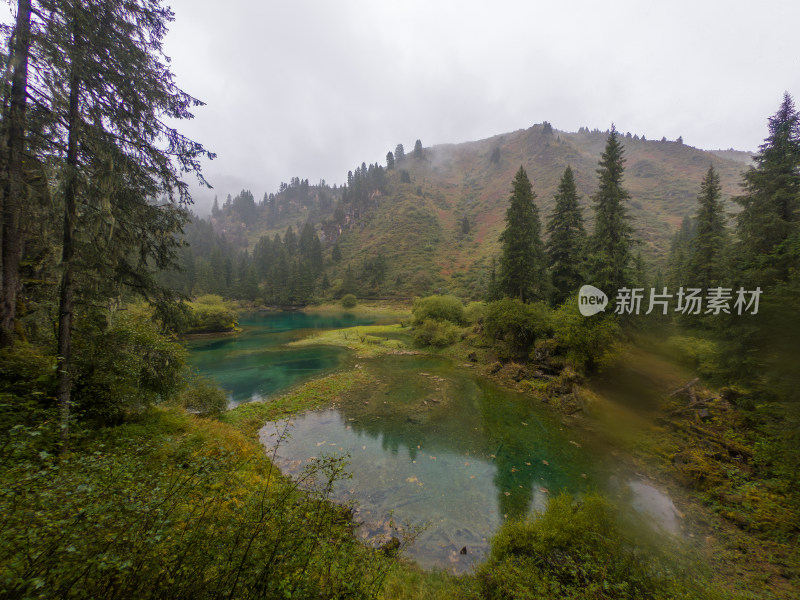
(290, 241)
(12, 153)
(567, 240)
(612, 240)
(349, 283)
(707, 248)
(109, 85)
(399, 153)
(522, 260)
(768, 223)
(418, 149)
(389, 161)
(679, 253)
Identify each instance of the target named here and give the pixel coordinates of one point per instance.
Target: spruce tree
(12, 162)
(522, 259)
(418, 149)
(768, 223)
(108, 83)
(679, 253)
(389, 161)
(707, 248)
(290, 241)
(567, 240)
(612, 240)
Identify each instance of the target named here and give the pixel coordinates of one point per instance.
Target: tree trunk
(66, 301)
(12, 176)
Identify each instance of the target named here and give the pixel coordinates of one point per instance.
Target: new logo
(591, 300)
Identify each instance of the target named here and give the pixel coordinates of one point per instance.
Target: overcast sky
(313, 88)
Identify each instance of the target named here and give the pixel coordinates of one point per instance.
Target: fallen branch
(708, 435)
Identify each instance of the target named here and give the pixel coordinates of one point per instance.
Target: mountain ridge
(414, 214)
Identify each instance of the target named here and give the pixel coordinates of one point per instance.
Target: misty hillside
(436, 218)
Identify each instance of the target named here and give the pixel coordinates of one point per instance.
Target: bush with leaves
(27, 385)
(590, 343)
(475, 313)
(211, 314)
(123, 365)
(699, 354)
(514, 326)
(203, 397)
(438, 308)
(174, 507)
(576, 549)
(348, 301)
(435, 333)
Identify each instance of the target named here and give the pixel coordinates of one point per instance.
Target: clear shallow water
(256, 363)
(428, 442)
(432, 444)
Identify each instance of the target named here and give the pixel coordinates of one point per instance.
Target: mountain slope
(417, 225)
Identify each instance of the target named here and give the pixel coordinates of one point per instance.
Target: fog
(312, 89)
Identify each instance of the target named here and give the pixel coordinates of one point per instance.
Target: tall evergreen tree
(389, 161)
(768, 223)
(110, 86)
(290, 241)
(12, 183)
(679, 254)
(522, 259)
(566, 245)
(399, 153)
(418, 149)
(707, 250)
(612, 240)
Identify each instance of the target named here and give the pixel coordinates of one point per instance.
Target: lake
(432, 444)
(256, 363)
(429, 442)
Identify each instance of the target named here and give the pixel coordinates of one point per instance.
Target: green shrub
(576, 549)
(699, 354)
(124, 366)
(211, 314)
(349, 301)
(173, 508)
(204, 397)
(514, 326)
(590, 343)
(475, 313)
(438, 308)
(25, 370)
(435, 333)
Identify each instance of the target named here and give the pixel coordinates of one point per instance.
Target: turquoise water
(256, 363)
(429, 443)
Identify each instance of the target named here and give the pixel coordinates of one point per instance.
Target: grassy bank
(172, 506)
(319, 393)
(366, 340)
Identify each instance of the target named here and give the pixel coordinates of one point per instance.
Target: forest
(123, 471)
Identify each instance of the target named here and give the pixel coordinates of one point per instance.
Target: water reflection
(432, 444)
(256, 363)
